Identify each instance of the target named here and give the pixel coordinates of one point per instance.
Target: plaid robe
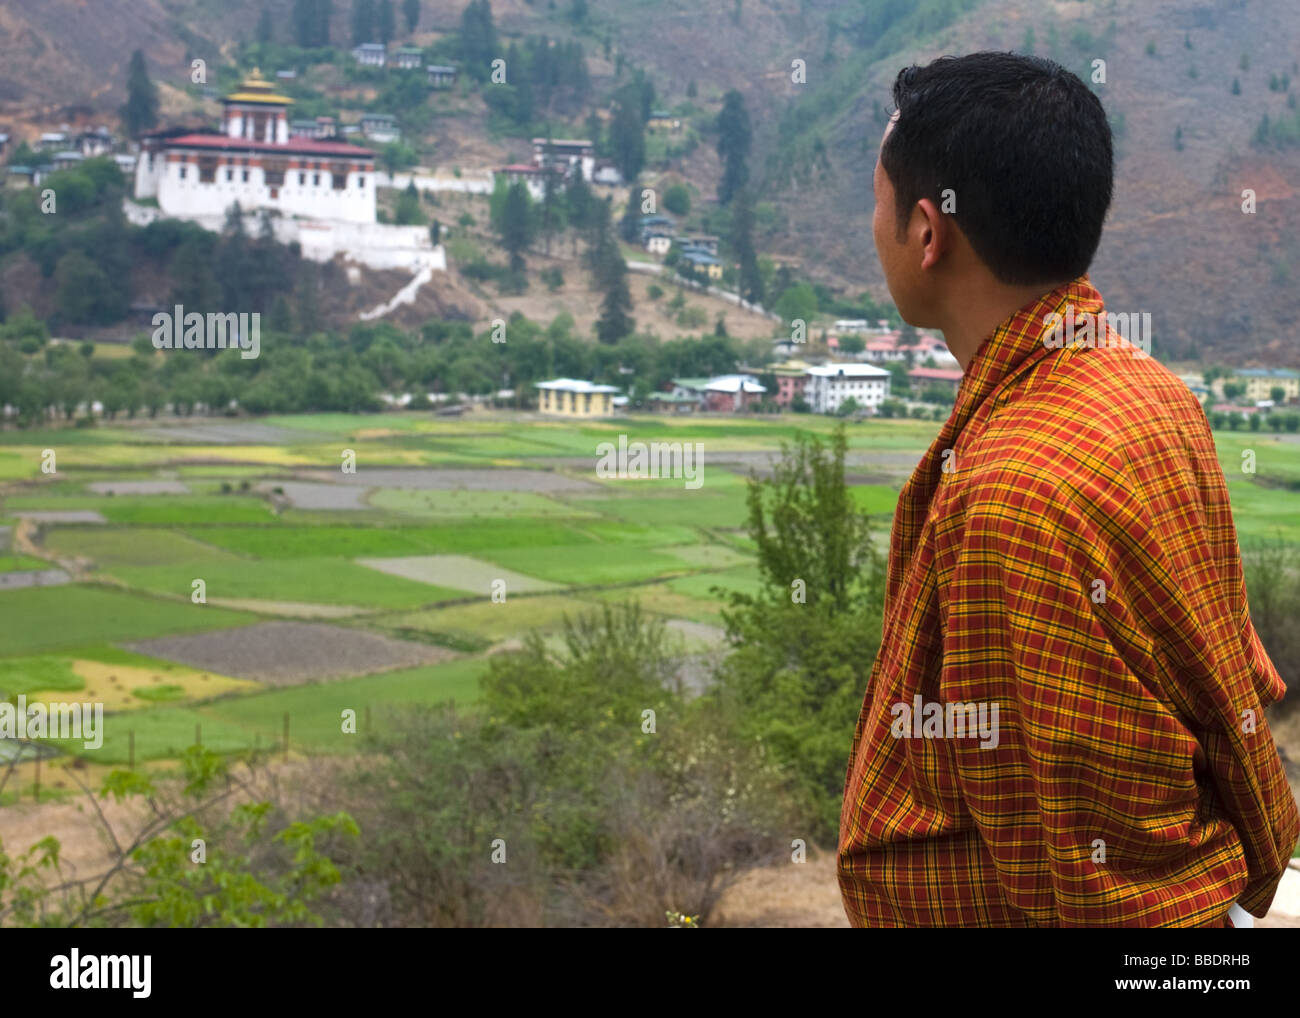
(1065, 551)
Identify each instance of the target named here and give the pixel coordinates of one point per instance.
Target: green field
(416, 565)
(52, 618)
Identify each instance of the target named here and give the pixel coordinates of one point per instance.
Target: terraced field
(226, 580)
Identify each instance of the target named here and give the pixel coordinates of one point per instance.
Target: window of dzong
(315, 180)
(302, 179)
(339, 176)
(273, 172)
(182, 173)
(361, 181)
(245, 176)
(230, 175)
(207, 170)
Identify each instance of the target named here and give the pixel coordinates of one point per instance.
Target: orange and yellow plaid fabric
(1065, 551)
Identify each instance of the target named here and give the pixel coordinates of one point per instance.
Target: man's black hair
(1026, 149)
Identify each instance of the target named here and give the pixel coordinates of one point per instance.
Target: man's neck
(974, 317)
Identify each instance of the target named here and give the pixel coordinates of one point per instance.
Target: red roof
(305, 146)
(936, 374)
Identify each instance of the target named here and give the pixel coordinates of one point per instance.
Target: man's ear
(936, 231)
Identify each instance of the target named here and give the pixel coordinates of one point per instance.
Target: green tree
(677, 199)
(627, 139)
(804, 643)
(364, 25)
(407, 211)
(85, 295)
(798, 303)
(386, 21)
(610, 271)
(742, 247)
(516, 224)
(140, 111)
(411, 12)
(478, 39)
(264, 31)
(735, 136)
(311, 22)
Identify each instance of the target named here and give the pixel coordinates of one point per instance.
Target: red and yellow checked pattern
(1125, 720)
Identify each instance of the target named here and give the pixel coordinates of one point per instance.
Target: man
(1064, 725)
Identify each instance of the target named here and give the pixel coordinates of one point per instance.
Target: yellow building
(572, 397)
(1260, 383)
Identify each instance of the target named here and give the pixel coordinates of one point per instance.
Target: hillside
(1177, 237)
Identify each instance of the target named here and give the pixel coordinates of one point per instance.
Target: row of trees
(323, 371)
(376, 20)
(1235, 420)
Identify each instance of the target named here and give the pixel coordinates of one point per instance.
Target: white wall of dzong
(307, 188)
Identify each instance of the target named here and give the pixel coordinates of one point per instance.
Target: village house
(321, 128)
(658, 243)
(791, 382)
(66, 160)
(950, 379)
(370, 54)
(97, 141)
(567, 153)
(1260, 383)
(607, 174)
(705, 242)
(690, 388)
(662, 120)
(380, 127)
(702, 262)
(52, 141)
(408, 58)
(1196, 385)
(655, 224)
(730, 393)
(441, 75)
(888, 347)
(19, 177)
(532, 177)
(829, 385)
(573, 397)
(669, 402)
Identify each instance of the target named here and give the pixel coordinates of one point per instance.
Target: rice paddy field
(233, 583)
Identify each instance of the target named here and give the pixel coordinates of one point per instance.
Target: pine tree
(478, 39)
(627, 139)
(516, 227)
(264, 26)
(411, 11)
(742, 247)
(735, 136)
(141, 109)
(629, 226)
(610, 273)
(387, 19)
(324, 12)
(311, 22)
(303, 21)
(363, 21)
